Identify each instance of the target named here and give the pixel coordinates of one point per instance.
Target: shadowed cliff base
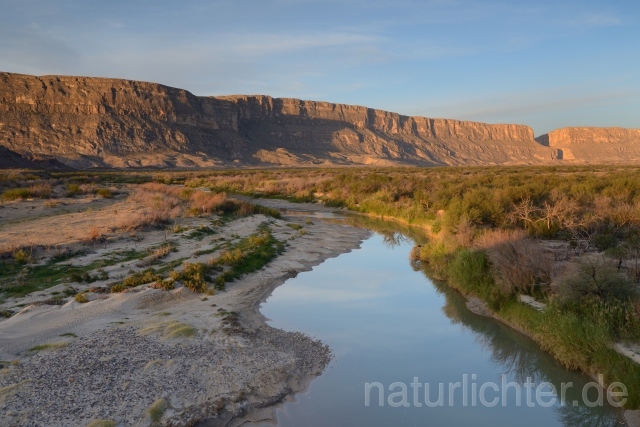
(86, 122)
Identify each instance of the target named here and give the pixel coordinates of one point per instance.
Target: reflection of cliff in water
(520, 356)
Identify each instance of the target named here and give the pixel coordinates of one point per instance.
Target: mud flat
(165, 357)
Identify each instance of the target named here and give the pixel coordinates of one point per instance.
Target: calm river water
(390, 325)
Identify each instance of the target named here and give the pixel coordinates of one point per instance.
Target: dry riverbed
(163, 357)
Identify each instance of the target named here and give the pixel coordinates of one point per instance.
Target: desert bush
(94, 234)
(21, 256)
(231, 257)
(204, 203)
(193, 275)
(570, 339)
(141, 278)
(259, 209)
(596, 278)
(81, 298)
(16, 193)
(137, 279)
(102, 423)
(154, 206)
(118, 287)
(604, 241)
(41, 190)
(156, 410)
(469, 270)
(518, 264)
(72, 190)
(105, 193)
(165, 285)
(158, 253)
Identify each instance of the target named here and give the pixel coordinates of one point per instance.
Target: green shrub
(274, 213)
(193, 275)
(470, 270)
(102, 423)
(81, 298)
(105, 193)
(231, 257)
(69, 291)
(156, 410)
(72, 190)
(596, 279)
(570, 339)
(16, 193)
(604, 241)
(21, 256)
(118, 287)
(140, 278)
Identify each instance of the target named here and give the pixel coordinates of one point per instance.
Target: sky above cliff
(547, 64)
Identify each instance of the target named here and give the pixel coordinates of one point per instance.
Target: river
(395, 333)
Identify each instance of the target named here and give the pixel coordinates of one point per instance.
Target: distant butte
(85, 122)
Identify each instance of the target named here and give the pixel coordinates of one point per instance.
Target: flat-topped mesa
(587, 135)
(594, 145)
(70, 95)
(261, 107)
(86, 122)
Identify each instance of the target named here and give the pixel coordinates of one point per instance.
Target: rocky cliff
(89, 122)
(594, 145)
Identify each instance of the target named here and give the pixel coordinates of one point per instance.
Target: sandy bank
(199, 357)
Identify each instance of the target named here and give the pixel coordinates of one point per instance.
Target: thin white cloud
(598, 20)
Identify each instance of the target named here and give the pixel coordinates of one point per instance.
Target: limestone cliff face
(594, 145)
(86, 122)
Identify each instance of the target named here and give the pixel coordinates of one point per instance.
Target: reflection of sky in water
(387, 323)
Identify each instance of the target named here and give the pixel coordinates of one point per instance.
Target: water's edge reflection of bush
(513, 352)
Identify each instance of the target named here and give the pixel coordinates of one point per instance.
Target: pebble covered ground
(120, 372)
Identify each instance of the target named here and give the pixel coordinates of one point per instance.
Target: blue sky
(547, 64)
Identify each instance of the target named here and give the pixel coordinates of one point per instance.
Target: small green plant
(69, 334)
(81, 298)
(156, 410)
(21, 256)
(117, 288)
(105, 193)
(136, 279)
(308, 222)
(16, 193)
(102, 423)
(294, 226)
(82, 277)
(72, 190)
(193, 275)
(50, 346)
(69, 291)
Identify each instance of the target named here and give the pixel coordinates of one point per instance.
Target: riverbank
(149, 356)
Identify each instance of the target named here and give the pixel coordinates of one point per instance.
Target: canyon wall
(594, 145)
(99, 122)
